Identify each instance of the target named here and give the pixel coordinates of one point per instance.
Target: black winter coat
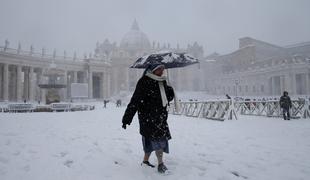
(285, 102)
(151, 113)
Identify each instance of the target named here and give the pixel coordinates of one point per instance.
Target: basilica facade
(135, 44)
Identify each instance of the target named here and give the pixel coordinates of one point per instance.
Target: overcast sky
(76, 25)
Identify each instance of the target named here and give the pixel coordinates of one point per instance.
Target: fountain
(52, 83)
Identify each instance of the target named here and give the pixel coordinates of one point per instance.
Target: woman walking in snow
(150, 99)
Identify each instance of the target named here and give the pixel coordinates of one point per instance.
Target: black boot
(162, 168)
(148, 164)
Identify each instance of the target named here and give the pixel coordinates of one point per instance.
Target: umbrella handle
(168, 82)
(176, 100)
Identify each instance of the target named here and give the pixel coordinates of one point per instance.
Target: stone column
(85, 77)
(19, 83)
(293, 83)
(75, 77)
(65, 90)
(90, 84)
(43, 96)
(69, 81)
(307, 83)
(1, 82)
(6, 82)
(282, 83)
(287, 84)
(26, 84)
(273, 89)
(102, 86)
(42, 90)
(82, 77)
(38, 76)
(108, 83)
(31, 84)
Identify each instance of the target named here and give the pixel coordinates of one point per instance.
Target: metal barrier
(81, 107)
(300, 108)
(3, 108)
(215, 110)
(60, 106)
(21, 107)
(228, 109)
(54, 107)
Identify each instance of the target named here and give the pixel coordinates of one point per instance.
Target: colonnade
(21, 82)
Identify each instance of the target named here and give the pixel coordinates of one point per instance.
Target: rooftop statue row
(43, 53)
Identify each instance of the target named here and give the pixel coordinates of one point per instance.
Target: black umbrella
(169, 59)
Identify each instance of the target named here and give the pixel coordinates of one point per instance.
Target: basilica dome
(135, 40)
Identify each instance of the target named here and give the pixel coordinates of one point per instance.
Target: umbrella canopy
(169, 59)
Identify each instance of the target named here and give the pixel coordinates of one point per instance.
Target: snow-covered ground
(93, 146)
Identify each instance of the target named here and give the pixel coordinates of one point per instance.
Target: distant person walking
(151, 98)
(105, 102)
(227, 96)
(118, 103)
(286, 104)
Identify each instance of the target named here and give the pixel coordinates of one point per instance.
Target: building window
(246, 88)
(254, 89)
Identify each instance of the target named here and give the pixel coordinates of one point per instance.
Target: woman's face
(159, 71)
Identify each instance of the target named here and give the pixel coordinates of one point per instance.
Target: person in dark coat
(150, 99)
(118, 103)
(105, 102)
(227, 96)
(286, 104)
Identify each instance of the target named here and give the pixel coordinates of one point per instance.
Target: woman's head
(157, 69)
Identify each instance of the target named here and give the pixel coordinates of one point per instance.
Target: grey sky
(76, 25)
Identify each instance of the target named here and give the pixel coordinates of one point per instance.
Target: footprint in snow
(68, 163)
(238, 174)
(63, 154)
